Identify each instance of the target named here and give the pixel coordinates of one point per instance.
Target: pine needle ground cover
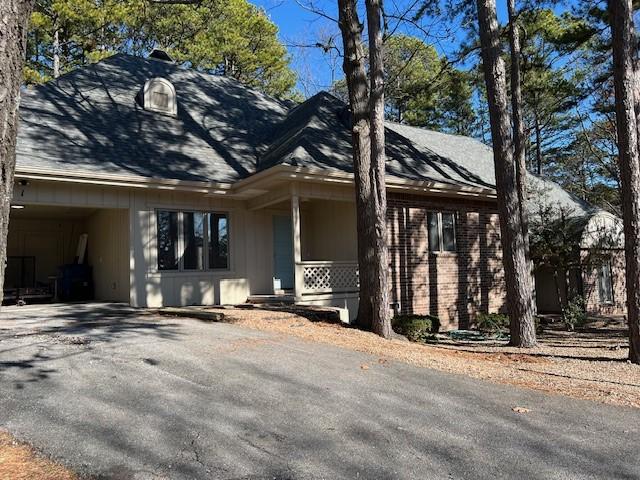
(579, 365)
(18, 461)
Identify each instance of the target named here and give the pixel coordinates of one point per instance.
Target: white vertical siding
(122, 239)
(108, 251)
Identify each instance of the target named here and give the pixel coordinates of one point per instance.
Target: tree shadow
(50, 333)
(297, 411)
(90, 120)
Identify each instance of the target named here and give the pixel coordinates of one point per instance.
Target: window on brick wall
(605, 283)
(442, 231)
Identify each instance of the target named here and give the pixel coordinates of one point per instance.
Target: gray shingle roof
(316, 134)
(89, 121)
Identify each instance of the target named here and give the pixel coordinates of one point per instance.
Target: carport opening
(61, 254)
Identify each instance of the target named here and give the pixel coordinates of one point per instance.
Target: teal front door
(282, 253)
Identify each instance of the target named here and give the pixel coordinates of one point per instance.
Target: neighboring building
(194, 189)
(596, 254)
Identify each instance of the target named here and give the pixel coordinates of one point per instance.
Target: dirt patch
(580, 365)
(19, 461)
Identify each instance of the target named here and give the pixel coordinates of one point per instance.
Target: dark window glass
(193, 228)
(218, 241)
(433, 225)
(448, 232)
(167, 240)
(605, 285)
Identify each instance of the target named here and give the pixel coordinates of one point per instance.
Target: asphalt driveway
(116, 393)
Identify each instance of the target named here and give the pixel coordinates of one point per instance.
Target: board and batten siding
(249, 253)
(108, 253)
(122, 243)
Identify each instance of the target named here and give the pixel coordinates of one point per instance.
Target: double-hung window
(442, 231)
(188, 240)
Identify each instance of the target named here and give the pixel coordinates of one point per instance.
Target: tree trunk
(538, 147)
(518, 123)
(556, 283)
(519, 143)
(14, 15)
(56, 53)
(378, 276)
(622, 29)
(517, 270)
(357, 87)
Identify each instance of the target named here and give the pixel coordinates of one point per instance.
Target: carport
(43, 250)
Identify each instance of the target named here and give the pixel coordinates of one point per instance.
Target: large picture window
(442, 231)
(192, 240)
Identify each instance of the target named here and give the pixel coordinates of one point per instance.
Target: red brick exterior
(454, 286)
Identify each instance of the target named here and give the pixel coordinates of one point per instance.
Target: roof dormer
(159, 95)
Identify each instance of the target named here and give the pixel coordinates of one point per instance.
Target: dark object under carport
(20, 281)
(75, 282)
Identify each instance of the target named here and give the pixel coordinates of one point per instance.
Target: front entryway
(282, 253)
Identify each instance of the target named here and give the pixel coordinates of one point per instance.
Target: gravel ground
(589, 366)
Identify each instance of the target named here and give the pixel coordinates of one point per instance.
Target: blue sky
(299, 26)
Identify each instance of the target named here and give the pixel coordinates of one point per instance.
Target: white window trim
(441, 250)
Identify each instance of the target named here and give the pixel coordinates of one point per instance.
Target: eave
(252, 186)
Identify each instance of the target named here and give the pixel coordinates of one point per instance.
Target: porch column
(297, 247)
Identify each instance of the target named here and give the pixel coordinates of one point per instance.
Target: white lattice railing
(328, 277)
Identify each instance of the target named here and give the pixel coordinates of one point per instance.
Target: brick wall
(590, 285)
(453, 286)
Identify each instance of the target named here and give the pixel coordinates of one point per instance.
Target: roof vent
(159, 95)
(158, 54)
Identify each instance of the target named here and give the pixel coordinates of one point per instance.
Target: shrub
(492, 322)
(575, 315)
(416, 327)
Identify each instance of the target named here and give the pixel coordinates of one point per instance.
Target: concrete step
(271, 299)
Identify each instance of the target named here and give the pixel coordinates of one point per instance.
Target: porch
(314, 247)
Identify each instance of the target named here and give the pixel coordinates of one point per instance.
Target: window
(218, 241)
(192, 240)
(605, 284)
(193, 228)
(167, 240)
(442, 231)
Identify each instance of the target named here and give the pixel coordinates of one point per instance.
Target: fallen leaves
(521, 409)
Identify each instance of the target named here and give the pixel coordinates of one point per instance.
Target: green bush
(416, 327)
(575, 315)
(492, 322)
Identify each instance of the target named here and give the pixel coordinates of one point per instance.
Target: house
(194, 189)
(591, 261)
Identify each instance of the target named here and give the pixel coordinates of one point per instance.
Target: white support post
(297, 247)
